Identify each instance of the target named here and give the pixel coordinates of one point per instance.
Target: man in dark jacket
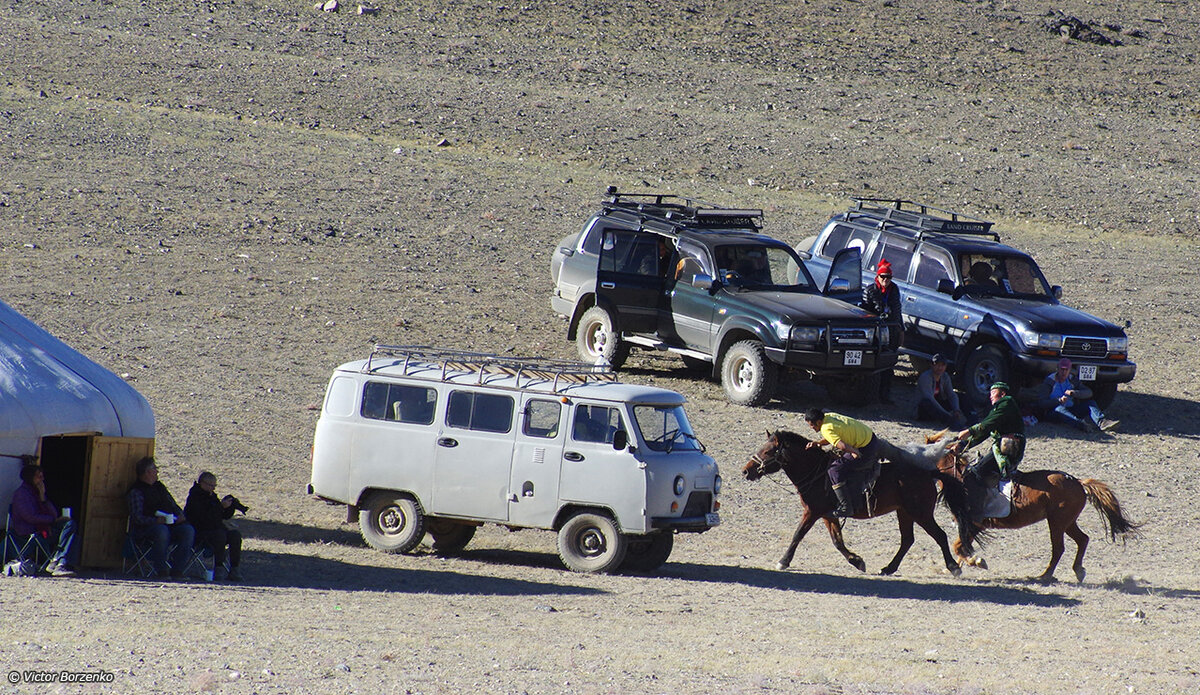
(1004, 425)
(208, 514)
(882, 297)
(156, 518)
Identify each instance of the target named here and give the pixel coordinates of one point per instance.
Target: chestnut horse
(908, 491)
(1055, 496)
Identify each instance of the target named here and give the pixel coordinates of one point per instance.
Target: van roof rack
(446, 364)
(677, 211)
(892, 212)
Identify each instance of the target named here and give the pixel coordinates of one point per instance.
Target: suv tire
(597, 337)
(747, 376)
(986, 365)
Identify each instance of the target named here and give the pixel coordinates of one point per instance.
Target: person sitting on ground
(856, 446)
(155, 518)
(207, 514)
(938, 401)
(1066, 402)
(34, 516)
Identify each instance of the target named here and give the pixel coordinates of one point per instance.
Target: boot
(844, 508)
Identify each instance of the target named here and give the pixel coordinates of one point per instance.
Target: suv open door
(630, 278)
(845, 276)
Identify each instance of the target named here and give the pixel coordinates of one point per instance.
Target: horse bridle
(761, 463)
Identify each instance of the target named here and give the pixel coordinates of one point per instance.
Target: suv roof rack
(447, 365)
(923, 218)
(677, 211)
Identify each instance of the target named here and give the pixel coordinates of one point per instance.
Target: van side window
(595, 423)
(398, 403)
(541, 419)
(485, 412)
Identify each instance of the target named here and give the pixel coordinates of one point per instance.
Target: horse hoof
(781, 565)
(956, 571)
(980, 563)
(1045, 579)
(887, 571)
(1080, 573)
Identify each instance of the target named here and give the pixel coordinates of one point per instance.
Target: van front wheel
(590, 542)
(392, 523)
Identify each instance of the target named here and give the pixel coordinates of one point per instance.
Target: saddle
(861, 482)
(997, 499)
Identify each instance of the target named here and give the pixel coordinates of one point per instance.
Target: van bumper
(686, 524)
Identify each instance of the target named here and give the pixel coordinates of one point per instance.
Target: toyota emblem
(1087, 347)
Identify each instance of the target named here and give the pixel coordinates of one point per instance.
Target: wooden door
(107, 478)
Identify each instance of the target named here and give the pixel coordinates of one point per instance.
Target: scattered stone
(367, 9)
(330, 6)
(443, 143)
(1070, 27)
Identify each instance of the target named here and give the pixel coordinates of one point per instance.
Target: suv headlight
(805, 336)
(1050, 341)
(1119, 344)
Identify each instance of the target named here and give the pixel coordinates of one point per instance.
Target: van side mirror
(620, 439)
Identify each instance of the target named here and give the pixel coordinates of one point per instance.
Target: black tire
(1104, 394)
(591, 543)
(859, 389)
(986, 365)
(391, 522)
(647, 553)
(596, 337)
(449, 536)
(747, 376)
(696, 364)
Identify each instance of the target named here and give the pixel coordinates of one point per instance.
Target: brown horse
(908, 491)
(1055, 496)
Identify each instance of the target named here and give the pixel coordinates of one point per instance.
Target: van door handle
(608, 285)
(573, 456)
(447, 442)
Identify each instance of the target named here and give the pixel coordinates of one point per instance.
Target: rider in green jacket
(1004, 425)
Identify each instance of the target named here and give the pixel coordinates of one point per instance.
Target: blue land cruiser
(984, 305)
(662, 272)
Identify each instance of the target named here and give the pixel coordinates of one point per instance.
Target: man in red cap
(882, 297)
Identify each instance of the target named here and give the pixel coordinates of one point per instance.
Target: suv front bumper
(832, 361)
(1106, 372)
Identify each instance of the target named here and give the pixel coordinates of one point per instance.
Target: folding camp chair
(135, 555)
(29, 548)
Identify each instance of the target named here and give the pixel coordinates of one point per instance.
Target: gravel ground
(224, 200)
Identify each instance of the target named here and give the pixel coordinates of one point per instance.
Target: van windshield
(666, 428)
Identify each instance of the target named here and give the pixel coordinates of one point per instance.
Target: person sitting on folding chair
(155, 518)
(208, 514)
(37, 522)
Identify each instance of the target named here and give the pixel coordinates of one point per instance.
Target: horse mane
(789, 439)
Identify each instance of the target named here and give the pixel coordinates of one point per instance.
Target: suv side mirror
(620, 439)
(839, 285)
(946, 286)
(1056, 291)
(702, 281)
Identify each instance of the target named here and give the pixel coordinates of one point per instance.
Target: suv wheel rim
(597, 338)
(743, 375)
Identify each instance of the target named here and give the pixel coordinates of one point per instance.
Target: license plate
(712, 519)
(852, 358)
(1087, 372)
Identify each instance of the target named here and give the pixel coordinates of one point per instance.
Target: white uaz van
(417, 439)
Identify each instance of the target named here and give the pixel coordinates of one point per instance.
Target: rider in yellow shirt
(856, 445)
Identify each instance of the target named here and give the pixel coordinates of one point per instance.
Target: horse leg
(904, 520)
(1081, 543)
(939, 536)
(806, 522)
(835, 532)
(1056, 551)
(964, 559)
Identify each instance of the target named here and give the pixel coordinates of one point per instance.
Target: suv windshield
(1006, 275)
(762, 267)
(665, 428)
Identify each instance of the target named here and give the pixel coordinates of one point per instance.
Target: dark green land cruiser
(661, 272)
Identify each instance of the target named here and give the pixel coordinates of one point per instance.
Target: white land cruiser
(422, 440)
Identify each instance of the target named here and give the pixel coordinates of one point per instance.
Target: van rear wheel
(392, 523)
(449, 536)
(590, 542)
(647, 553)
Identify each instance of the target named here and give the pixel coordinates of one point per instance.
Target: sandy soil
(224, 200)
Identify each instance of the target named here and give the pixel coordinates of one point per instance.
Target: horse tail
(1105, 501)
(954, 496)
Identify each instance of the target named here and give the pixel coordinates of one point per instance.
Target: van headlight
(717, 485)
(679, 485)
(1033, 339)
